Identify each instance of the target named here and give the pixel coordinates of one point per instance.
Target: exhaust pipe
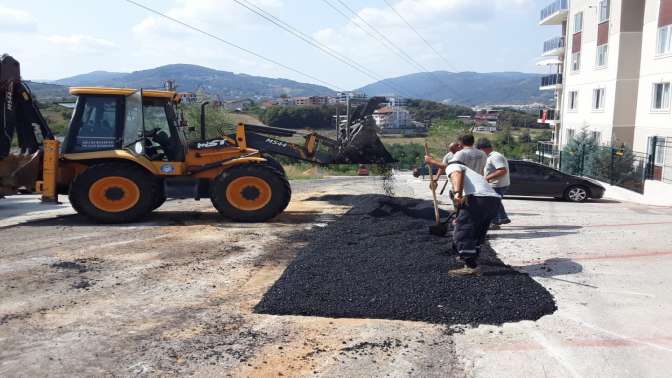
(203, 105)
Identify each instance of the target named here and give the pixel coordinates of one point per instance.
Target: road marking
(554, 352)
(532, 345)
(627, 292)
(619, 336)
(628, 224)
(620, 256)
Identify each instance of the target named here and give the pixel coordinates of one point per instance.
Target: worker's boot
(470, 268)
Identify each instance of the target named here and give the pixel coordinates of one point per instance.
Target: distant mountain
(467, 88)
(192, 78)
(47, 92)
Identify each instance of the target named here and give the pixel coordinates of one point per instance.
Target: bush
(300, 117)
(583, 156)
(422, 110)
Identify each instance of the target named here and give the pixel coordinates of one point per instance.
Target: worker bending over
(477, 204)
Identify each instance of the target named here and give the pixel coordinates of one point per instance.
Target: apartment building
(653, 106)
(611, 68)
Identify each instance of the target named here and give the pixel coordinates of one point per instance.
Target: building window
(661, 97)
(604, 10)
(598, 99)
(570, 135)
(664, 40)
(578, 22)
(602, 55)
(576, 61)
(596, 136)
(573, 101)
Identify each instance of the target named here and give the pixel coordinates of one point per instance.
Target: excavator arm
(364, 147)
(356, 143)
(22, 166)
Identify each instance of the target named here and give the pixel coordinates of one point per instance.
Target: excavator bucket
(363, 146)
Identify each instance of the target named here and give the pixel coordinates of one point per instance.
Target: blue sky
(59, 39)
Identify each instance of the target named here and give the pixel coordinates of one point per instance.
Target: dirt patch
(378, 261)
(70, 265)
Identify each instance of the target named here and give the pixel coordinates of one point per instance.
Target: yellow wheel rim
(248, 193)
(114, 194)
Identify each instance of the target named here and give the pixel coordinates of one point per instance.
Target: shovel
(438, 229)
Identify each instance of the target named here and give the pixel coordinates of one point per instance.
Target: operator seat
(172, 150)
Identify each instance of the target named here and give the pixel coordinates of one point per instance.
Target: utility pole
(347, 125)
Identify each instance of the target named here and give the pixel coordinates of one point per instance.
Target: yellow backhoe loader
(126, 151)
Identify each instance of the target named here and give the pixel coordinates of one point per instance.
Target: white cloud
(200, 13)
(434, 19)
(16, 20)
(78, 43)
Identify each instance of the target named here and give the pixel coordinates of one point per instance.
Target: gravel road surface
(175, 295)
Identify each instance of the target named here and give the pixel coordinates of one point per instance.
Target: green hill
(193, 78)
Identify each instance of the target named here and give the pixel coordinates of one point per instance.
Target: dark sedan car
(536, 180)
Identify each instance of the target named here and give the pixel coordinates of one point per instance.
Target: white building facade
(613, 68)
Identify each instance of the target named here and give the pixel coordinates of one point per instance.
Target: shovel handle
(433, 189)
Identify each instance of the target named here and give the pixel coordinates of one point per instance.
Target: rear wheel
(251, 193)
(576, 194)
(113, 193)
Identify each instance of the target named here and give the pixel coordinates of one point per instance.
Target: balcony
(555, 13)
(551, 82)
(554, 47)
(549, 118)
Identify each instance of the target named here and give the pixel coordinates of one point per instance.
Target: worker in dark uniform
(477, 204)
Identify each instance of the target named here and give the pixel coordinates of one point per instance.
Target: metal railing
(554, 7)
(618, 166)
(549, 80)
(661, 149)
(554, 43)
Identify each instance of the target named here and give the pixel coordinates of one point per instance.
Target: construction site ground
(176, 294)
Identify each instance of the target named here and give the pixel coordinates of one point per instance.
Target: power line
(201, 31)
(311, 41)
(386, 42)
(371, 31)
(420, 35)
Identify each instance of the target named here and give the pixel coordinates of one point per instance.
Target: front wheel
(250, 193)
(576, 194)
(113, 193)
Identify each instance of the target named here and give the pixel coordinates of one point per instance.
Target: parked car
(536, 180)
(362, 170)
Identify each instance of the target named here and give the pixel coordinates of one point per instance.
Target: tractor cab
(144, 122)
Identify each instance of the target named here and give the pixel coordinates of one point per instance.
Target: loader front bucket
(364, 146)
(19, 172)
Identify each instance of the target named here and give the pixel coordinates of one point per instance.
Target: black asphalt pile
(378, 261)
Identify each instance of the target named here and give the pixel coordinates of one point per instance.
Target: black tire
(271, 162)
(268, 187)
(160, 198)
(133, 203)
(576, 193)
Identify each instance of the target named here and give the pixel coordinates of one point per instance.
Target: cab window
(163, 143)
(95, 126)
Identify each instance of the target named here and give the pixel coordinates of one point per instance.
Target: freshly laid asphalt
(379, 261)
